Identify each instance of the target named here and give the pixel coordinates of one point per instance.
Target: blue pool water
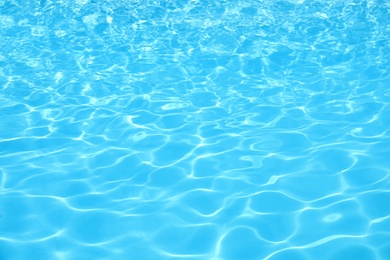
(195, 129)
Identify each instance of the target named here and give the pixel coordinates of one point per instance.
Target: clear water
(195, 129)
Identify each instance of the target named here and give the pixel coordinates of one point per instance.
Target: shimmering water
(195, 129)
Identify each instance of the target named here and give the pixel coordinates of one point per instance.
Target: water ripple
(194, 130)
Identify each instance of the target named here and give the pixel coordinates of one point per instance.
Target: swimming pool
(195, 129)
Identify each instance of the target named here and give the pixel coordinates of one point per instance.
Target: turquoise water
(195, 129)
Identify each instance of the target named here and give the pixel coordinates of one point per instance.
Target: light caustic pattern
(194, 130)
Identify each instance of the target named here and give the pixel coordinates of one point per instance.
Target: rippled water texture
(195, 129)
